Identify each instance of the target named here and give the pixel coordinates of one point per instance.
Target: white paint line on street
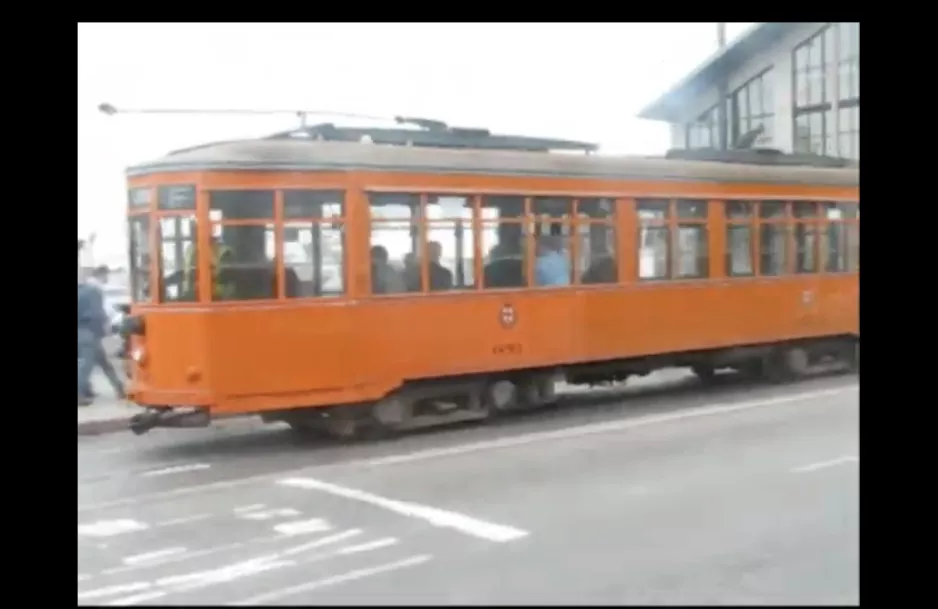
(176, 469)
(323, 541)
(136, 599)
(249, 508)
(183, 520)
(225, 574)
(113, 590)
(435, 516)
(368, 547)
(276, 595)
(83, 577)
(151, 556)
(467, 448)
(606, 427)
(303, 527)
(174, 559)
(268, 514)
(813, 467)
(109, 528)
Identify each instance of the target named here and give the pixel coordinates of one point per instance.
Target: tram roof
(295, 154)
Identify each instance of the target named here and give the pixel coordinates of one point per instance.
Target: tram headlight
(138, 355)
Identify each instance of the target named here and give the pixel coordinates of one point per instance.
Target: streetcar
(340, 279)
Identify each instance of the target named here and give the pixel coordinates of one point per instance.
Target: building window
(816, 127)
(752, 106)
(705, 131)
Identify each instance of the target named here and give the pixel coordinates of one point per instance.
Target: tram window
(739, 210)
(692, 209)
(853, 248)
(243, 264)
(553, 263)
(774, 247)
(395, 243)
(740, 254)
(450, 242)
(394, 206)
(772, 210)
(139, 233)
(241, 205)
(175, 198)
(505, 265)
(805, 209)
(139, 198)
(653, 252)
(691, 254)
(552, 207)
(805, 259)
(313, 204)
(504, 243)
(653, 209)
(597, 252)
(834, 248)
(177, 259)
(597, 209)
(394, 267)
(313, 258)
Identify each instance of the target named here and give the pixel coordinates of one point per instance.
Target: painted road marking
(607, 427)
(267, 514)
(303, 527)
(368, 547)
(249, 508)
(136, 599)
(113, 590)
(176, 558)
(176, 469)
(263, 599)
(435, 516)
(813, 467)
(713, 409)
(109, 528)
(151, 556)
(323, 541)
(183, 520)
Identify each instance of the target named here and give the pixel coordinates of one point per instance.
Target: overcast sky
(582, 81)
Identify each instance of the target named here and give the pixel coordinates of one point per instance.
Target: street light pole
(722, 119)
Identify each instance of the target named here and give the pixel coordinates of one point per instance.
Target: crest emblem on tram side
(507, 315)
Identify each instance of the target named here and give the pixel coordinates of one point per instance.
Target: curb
(103, 426)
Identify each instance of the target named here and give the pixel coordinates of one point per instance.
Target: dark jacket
(91, 313)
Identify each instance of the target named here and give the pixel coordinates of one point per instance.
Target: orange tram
(341, 279)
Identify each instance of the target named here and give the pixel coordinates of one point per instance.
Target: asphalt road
(731, 495)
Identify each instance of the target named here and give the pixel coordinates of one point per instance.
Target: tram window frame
(597, 215)
(180, 242)
(403, 282)
(740, 216)
(657, 221)
(442, 224)
(318, 211)
(773, 219)
(852, 210)
(265, 218)
(833, 238)
(690, 215)
(806, 222)
(505, 205)
(176, 198)
(139, 242)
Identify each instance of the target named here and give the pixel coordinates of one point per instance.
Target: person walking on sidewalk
(93, 325)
